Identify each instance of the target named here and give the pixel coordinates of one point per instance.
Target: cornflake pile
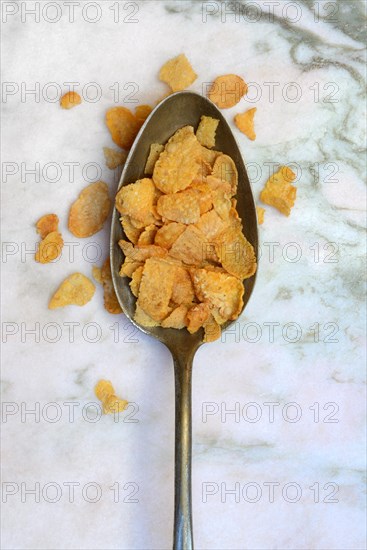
(186, 254)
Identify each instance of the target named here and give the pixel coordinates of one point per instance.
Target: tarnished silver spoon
(177, 110)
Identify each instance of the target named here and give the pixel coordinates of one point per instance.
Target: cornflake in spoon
(187, 256)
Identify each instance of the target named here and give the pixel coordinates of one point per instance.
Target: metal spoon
(177, 110)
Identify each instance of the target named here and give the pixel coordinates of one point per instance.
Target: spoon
(175, 111)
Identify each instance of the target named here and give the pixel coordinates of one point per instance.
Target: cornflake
(123, 125)
(156, 288)
(89, 212)
(142, 112)
(114, 158)
(105, 392)
(180, 207)
(279, 191)
(190, 246)
(212, 330)
(197, 317)
(168, 234)
(260, 214)
(179, 163)
(49, 248)
(130, 230)
(178, 73)
(97, 274)
(219, 290)
(70, 100)
(225, 169)
(227, 90)
(176, 319)
(136, 279)
(236, 254)
(76, 290)
(245, 123)
(206, 131)
(47, 224)
(155, 151)
(137, 200)
(111, 302)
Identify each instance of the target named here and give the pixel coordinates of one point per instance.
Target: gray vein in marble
(204, 446)
(80, 375)
(5, 386)
(356, 226)
(336, 376)
(348, 22)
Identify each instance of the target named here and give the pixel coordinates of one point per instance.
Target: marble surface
(278, 404)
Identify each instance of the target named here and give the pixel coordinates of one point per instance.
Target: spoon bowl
(174, 112)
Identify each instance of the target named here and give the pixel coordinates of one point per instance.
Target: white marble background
(315, 464)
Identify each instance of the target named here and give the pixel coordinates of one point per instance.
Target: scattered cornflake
(49, 248)
(236, 254)
(105, 392)
(142, 112)
(179, 163)
(219, 290)
(180, 207)
(123, 125)
(225, 169)
(89, 212)
(70, 100)
(97, 274)
(76, 290)
(245, 123)
(260, 214)
(155, 151)
(47, 224)
(111, 302)
(279, 191)
(227, 90)
(137, 200)
(114, 158)
(206, 131)
(156, 288)
(178, 73)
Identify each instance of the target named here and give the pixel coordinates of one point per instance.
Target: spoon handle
(183, 537)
